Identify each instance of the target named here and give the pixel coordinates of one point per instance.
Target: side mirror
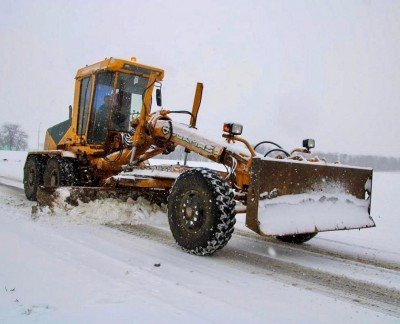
(158, 97)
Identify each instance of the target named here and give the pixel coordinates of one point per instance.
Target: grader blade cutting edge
(293, 197)
(52, 197)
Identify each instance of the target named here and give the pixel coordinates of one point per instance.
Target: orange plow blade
(291, 197)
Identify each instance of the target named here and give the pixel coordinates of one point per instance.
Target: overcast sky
(286, 70)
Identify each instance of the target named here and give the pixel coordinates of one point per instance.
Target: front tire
(59, 172)
(201, 211)
(297, 238)
(33, 176)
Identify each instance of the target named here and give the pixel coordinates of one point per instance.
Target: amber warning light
(232, 128)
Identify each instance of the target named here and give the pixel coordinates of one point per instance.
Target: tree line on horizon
(13, 137)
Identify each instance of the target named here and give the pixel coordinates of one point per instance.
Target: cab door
(101, 108)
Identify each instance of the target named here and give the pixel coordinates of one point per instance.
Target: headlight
(232, 128)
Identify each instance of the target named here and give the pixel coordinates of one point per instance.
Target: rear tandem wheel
(33, 176)
(59, 172)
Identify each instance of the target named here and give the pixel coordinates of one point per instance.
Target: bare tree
(12, 137)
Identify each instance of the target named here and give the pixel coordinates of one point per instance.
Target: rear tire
(296, 238)
(201, 211)
(59, 172)
(33, 176)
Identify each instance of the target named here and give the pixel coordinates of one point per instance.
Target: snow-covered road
(70, 268)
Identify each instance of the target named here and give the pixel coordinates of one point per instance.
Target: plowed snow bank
(106, 211)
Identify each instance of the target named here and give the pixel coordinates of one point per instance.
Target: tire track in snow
(316, 250)
(370, 295)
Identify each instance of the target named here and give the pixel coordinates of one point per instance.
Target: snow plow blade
(52, 197)
(293, 197)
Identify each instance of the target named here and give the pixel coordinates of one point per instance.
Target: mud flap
(291, 197)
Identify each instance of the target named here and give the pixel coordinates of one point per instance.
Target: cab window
(84, 101)
(128, 100)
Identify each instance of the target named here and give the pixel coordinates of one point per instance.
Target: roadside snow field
(11, 167)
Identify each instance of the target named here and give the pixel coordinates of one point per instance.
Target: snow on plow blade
(293, 197)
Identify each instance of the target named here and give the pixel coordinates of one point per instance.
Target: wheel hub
(54, 179)
(192, 211)
(31, 176)
(189, 211)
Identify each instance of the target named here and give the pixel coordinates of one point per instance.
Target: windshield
(127, 101)
(113, 109)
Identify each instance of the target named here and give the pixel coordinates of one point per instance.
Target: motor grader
(103, 150)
